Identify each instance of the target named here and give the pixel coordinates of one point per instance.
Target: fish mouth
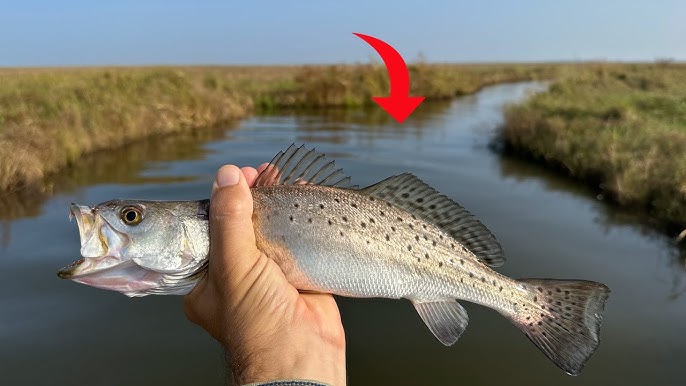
(100, 244)
(101, 265)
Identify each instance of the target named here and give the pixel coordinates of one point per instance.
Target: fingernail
(227, 176)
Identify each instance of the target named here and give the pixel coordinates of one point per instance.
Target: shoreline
(619, 129)
(56, 116)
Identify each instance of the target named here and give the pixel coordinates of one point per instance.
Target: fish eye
(131, 215)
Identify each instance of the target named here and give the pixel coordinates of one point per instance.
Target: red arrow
(398, 103)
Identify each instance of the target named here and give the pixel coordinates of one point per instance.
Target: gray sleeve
(292, 382)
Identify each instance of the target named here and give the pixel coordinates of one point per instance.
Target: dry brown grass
(50, 118)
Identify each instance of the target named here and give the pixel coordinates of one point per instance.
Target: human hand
(269, 330)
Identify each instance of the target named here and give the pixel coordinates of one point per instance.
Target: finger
(261, 168)
(250, 175)
(232, 238)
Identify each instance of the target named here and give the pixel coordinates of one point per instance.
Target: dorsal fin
(413, 195)
(299, 166)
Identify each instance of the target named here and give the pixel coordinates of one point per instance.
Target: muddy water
(61, 333)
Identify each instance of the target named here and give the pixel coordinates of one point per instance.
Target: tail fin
(565, 322)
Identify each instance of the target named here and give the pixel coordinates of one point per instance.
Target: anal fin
(446, 319)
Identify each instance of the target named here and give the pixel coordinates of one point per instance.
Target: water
(61, 333)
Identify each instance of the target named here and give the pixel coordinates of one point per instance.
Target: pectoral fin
(446, 319)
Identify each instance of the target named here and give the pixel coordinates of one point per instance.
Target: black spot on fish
(483, 279)
(539, 289)
(414, 217)
(558, 290)
(290, 218)
(345, 219)
(432, 206)
(382, 213)
(452, 245)
(321, 206)
(500, 288)
(371, 220)
(405, 195)
(420, 200)
(416, 238)
(528, 317)
(440, 264)
(363, 225)
(411, 226)
(389, 204)
(330, 223)
(354, 205)
(409, 247)
(426, 237)
(388, 238)
(433, 242)
(296, 205)
(462, 261)
(493, 283)
(393, 229)
(309, 220)
(419, 260)
(400, 219)
(549, 293)
(540, 323)
(426, 255)
(341, 232)
(337, 200)
(424, 226)
(535, 299)
(471, 274)
(371, 198)
(440, 236)
(367, 241)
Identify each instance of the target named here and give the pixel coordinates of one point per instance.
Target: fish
(398, 238)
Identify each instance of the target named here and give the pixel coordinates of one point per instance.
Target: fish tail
(565, 320)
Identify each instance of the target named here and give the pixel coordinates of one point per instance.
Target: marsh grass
(621, 127)
(51, 118)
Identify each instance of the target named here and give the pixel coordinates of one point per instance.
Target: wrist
(314, 361)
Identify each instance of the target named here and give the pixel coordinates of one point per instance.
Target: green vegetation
(50, 118)
(621, 126)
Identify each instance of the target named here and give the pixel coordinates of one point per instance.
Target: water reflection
(548, 226)
(608, 216)
(122, 165)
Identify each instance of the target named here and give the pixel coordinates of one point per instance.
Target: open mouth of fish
(101, 265)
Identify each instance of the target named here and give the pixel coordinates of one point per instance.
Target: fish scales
(398, 238)
(365, 247)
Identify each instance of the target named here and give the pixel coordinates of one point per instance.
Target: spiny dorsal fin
(299, 166)
(446, 319)
(413, 195)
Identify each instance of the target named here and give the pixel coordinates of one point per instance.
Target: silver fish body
(396, 239)
(342, 242)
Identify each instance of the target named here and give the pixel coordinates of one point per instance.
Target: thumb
(232, 238)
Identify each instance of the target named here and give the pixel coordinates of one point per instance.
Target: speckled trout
(398, 238)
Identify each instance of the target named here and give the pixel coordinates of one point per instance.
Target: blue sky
(68, 33)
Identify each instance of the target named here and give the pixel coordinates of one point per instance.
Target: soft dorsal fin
(413, 195)
(300, 166)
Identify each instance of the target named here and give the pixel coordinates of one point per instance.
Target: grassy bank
(619, 127)
(50, 118)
